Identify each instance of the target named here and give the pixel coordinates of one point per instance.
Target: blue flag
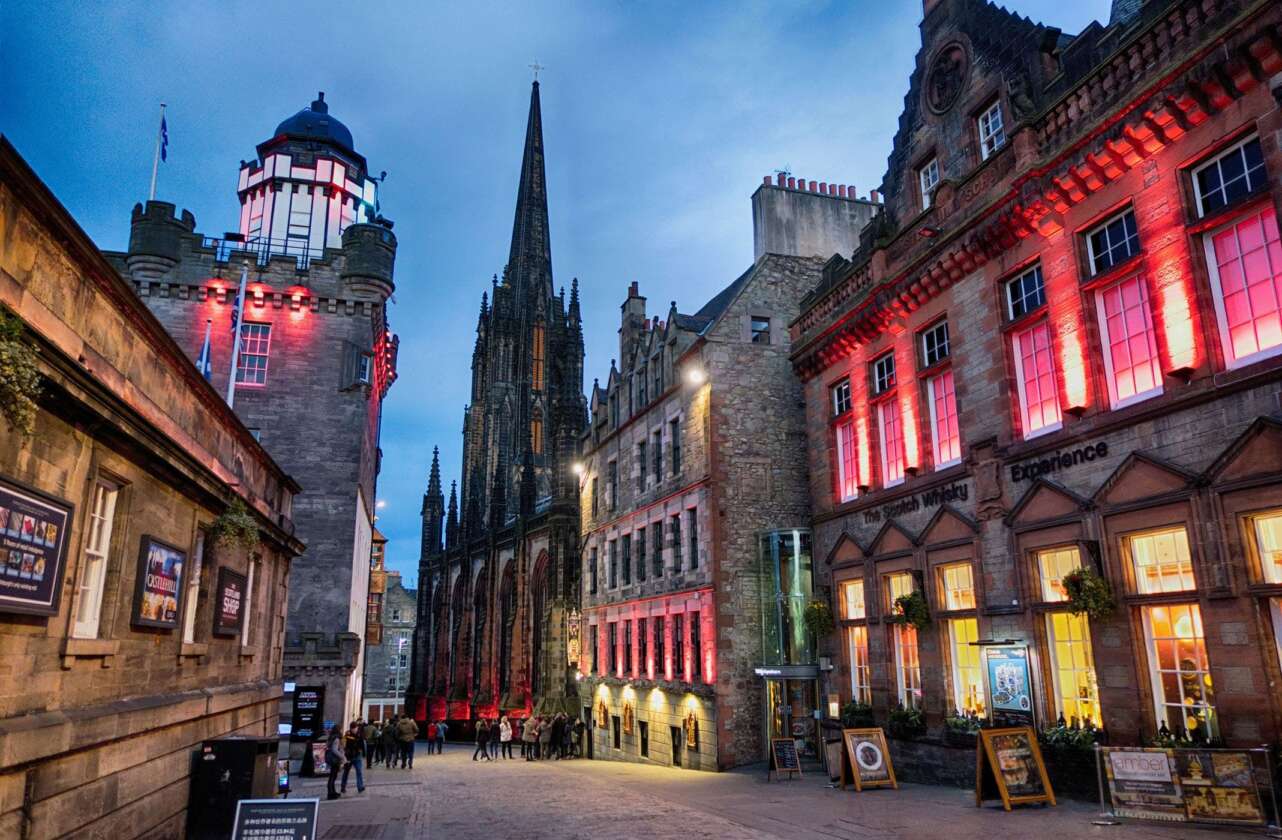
(204, 363)
(164, 139)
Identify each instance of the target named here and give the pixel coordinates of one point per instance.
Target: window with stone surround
(1183, 694)
(1160, 560)
(629, 662)
(946, 434)
(192, 601)
(678, 647)
(627, 559)
(1052, 565)
(1113, 242)
(612, 477)
(1036, 380)
(957, 585)
(760, 329)
(968, 686)
(841, 397)
(1244, 260)
(860, 672)
(656, 447)
(903, 642)
(1131, 364)
(852, 599)
(660, 646)
(1229, 176)
(928, 179)
(696, 649)
(593, 641)
(641, 565)
(612, 549)
(641, 466)
(612, 639)
(656, 547)
(1265, 535)
(883, 373)
(93, 576)
(255, 346)
(847, 461)
(692, 520)
(596, 497)
(537, 355)
(891, 429)
(992, 134)
(674, 526)
(592, 571)
(1076, 691)
(674, 431)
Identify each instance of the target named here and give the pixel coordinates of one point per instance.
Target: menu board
(784, 757)
(1012, 759)
(159, 584)
(33, 549)
(309, 705)
(275, 819)
(1178, 785)
(867, 759)
(1010, 687)
(229, 602)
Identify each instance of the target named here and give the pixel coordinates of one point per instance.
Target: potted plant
(19, 376)
(818, 618)
(235, 527)
(906, 724)
(961, 729)
(1089, 593)
(1069, 750)
(856, 715)
(911, 609)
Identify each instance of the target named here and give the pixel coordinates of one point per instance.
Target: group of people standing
(543, 737)
(368, 744)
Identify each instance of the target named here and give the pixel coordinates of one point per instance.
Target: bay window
(1244, 259)
(1129, 342)
(1183, 694)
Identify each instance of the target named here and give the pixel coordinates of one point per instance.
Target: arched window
(479, 617)
(538, 623)
(507, 621)
(537, 354)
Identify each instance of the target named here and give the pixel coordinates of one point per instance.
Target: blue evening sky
(660, 120)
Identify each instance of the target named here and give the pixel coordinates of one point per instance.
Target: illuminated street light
(577, 467)
(696, 376)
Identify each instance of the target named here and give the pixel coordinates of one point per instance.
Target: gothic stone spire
(530, 260)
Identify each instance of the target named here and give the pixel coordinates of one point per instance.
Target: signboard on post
(1183, 785)
(866, 761)
(309, 705)
(1012, 761)
(783, 757)
(275, 819)
(33, 549)
(1009, 683)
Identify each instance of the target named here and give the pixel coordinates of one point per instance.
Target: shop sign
(229, 604)
(309, 704)
(159, 584)
(33, 549)
(1178, 785)
(956, 492)
(1008, 681)
(275, 819)
(1067, 459)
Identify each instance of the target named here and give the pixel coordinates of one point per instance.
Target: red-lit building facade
(1060, 346)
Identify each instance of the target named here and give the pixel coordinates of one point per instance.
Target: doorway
(645, 738)
(678, 739)
(587, 731)
(790, 713)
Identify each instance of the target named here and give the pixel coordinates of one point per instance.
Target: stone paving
(449, 797)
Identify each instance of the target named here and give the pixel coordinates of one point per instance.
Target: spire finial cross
(536, 67)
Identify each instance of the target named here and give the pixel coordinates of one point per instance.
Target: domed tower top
(306, 186)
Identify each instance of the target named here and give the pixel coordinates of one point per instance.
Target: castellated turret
(156, 239)
(371, 255)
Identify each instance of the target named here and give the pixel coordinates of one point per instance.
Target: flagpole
(206, 366)
(155, 161)
(235, 342)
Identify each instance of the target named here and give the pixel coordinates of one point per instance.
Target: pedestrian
(354, 750)
(530, 737)
(406, 732)
(390, 744)
(505, 736)
(334, 759)
(430, 734)
(441, 728)
(554, 738)
(495, 734)
(545, 739)
(567, 737)
(370, 733)
(576, 745)
(482, 740)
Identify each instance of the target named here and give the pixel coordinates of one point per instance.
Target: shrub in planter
(818, 618)
(906, 723)
(962, 729)
(856, 715)
(1069, 752)
(19, 376)
(911, 609)
(1089, 593)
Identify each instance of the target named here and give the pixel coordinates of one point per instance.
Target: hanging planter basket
(19, 376)
(235, 527)
(818, 618)
(1089, 593)
(911, 609)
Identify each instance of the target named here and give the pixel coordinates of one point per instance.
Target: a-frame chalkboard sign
(783, 757)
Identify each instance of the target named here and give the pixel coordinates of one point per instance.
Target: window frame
(1106, 342)
(945, 592)
(191, 597)
(840, 397)
(756, 333)
(242, 355)
(1089, 236)
(883, 442)
(1020, 379)
(926, 191)
(1217, 288)
(1251, 528)
(90, 627)
(1058, 693)
(996, 127)
(925, 333)
(1214, 159)
(1155, 671)
(1127, 541)
(883, 378)
(1008, 301)
(960, 673)
(932, 404)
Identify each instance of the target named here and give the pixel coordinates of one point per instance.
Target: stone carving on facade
(947, 77)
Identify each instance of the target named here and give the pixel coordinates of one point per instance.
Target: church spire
(530, 260)
(434, 477)
(451, 517)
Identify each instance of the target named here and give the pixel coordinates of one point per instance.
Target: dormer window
(928, 177)
(992, 135)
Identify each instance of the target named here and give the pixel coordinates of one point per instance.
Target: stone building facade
(387, 662)
(693, 499)
(112, 675)
(315, 344)
(1058, 350)
(498, 570)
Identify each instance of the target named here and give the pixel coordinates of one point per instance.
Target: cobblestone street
(452, 797)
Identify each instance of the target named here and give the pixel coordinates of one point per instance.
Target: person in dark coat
(334, 759)
(389, 742)
(482, 741)
(354, 750)
(558, 733)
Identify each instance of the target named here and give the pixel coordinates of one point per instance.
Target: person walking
(354, 750)
(530, 737)
(576, 746)
(482, 740)
(406, 732)
(554, 739)
(430, 736)
(441, 728)
(372, 743)
(545, 740)
(495, 734)
(505, 737)
(390, 744)
(334, 759)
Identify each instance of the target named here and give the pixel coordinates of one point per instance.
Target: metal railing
(262, 249)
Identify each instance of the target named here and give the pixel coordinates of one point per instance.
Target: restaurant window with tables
(903, 641)
(853, 609)
(1075, 690)
(1036, 378)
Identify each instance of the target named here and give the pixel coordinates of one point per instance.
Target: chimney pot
(841, 190)
(823, 187)
(765, 181)
(813, 186)
(792, 183)
(780, 179)
(633, 290)
(873, 197)
(851, 191)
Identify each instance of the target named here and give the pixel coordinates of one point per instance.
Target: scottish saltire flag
(235, 312)
(204, 363)
(164, 139)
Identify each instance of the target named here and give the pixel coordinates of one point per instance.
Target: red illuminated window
(1130, 346)
(1245, 260)
(1036, 380)
(892, 442)
(943, 420)
(536, 363)
(847, 463)
(251, 365)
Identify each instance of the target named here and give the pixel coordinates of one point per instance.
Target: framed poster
(159, 584)
(275, 819)
(1012, 759)
(229, 604)
(319, 765)
(309, 705)
(1008, 680)
(33, 549)
(867, 759)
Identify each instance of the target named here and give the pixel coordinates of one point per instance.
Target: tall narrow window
(943, 420)
(692, 519)
(675, 527)
(656, 547)
(641, 386)
(628, 661)
(593, 641)
(612, 549)
(536, 433)
(696, 649)
(678, 647)
(928, 178)
(656, 452)
(857, 652)
(255, 343)
(247, 624)
(97, 547)
(674, 426)
(1130, 344)
(847, 461)
(1161, 561)
(536, 358)
(907, 666)
(1036, 381)
(1180, 671)
(968, 686)
(612, 638)
(641, 467)
(641, 565)
(1073, 668)
(660, 647)
(992, 135)
(592, 571)
(596, 496)
(644, 665)
(1245, 262)
(612, 476)
(892, 442)
(193, 590)
(627, 559)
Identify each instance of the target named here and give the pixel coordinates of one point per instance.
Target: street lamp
(696, 375)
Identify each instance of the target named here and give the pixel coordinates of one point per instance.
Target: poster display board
(783, 757)
(320, 766)
(1010, 761)
(229, 602)
(33, 549)
(1009, 683)
(275, 819)
(1179, 785)
(866, 761)
(309, 705)
(159, 584)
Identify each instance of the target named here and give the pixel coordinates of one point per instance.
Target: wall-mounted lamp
(696, 376)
